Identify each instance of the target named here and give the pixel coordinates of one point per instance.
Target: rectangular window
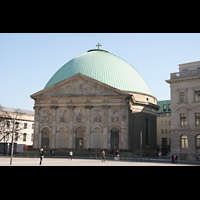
(165, 123)
(17, 125)
(164, 107)
(25, 125)
(183, 119)
(197, 119)
(16, 136)
(182, 97)
(169, 107)
(165, 131)
(198, 142)
(161, 123)
(197, 95)
(24, 137)
(8, 124)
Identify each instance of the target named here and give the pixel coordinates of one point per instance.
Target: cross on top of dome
(98, 45)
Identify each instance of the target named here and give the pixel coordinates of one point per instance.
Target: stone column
(37, 136)
(71, 137)
(106, 135)
(52, 142)
(123, 127)
(88, 127)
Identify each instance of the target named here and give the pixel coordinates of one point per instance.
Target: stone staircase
(76, 154)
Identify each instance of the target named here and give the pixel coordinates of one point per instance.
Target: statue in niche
(45, 116)
(63, 116)
(97, 116)
(79, 116)
(115, 117)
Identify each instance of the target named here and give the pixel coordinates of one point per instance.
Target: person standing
(103, 156)
(41, 155)
(70, 154)
(159, 154)
(172, 158)
(51, 153)
(117, 154)
(175, 158)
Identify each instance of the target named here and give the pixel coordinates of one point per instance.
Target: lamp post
(140, 146)
(11, 155)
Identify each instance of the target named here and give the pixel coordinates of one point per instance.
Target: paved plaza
(5, 161)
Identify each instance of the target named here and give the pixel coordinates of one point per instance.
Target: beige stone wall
(84, 103)
(188, 83)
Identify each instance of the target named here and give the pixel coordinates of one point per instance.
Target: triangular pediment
(183, 108)
(79, 85)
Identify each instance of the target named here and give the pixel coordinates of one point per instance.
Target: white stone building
(24, 127)
(185, 111)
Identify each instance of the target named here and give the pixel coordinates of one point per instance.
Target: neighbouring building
(185, 111)
(24, 127)
(95, 101)
(164, 126)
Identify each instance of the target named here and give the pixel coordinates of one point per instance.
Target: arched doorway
(115, 138)
(79, 139)
(45, 138)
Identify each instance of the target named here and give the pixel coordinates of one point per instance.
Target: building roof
(15, 110)
(161, 103)
(105, 67)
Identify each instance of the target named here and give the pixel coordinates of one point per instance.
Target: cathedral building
(95, 101)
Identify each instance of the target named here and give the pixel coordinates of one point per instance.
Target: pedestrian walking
(41, 155)
(172, 158)
(175, 158)
(159, 154)
(117, 154)
(103, 156)
(70, 155)
(51, 153)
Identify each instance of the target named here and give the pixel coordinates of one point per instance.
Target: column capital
(105, 106)
(53, 107)
(88, 107)
(37, 107)
(72, 107)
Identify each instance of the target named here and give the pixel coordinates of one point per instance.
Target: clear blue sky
(28, 61)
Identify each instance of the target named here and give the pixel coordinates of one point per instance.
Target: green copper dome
(105, 67)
